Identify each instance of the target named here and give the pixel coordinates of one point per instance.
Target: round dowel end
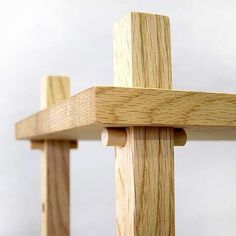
(114, 137)
(180, 137)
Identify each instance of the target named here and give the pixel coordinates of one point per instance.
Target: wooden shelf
(204, 116)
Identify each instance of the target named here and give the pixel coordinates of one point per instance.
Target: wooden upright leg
(55, 168)
(55, 189)
(145, 165)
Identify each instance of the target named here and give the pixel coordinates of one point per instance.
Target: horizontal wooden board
(204, 116)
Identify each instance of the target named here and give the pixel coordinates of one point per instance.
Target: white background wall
(75, 38)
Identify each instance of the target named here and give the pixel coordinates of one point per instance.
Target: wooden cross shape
(142, 116)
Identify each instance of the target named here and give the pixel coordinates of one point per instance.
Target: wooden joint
(39, 145)
(118, 137)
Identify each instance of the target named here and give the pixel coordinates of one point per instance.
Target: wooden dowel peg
(39, 145)
(118, 137)
(180, 137)
(114, 137)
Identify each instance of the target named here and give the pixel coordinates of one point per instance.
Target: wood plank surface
(204, 116)
(145, 165)
(55, 168)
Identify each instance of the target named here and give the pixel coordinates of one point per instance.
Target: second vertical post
(145, 165)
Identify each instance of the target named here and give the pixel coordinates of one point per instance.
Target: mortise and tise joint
(118, 137)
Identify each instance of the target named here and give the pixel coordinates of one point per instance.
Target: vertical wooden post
(145, 165)
(55, 168)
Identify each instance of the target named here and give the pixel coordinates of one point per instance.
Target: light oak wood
(54, 89)
(114, 137)
(204, 116)
(55, 189)
(145, 165)
(144, 119)
(55, 168)
(118, 137)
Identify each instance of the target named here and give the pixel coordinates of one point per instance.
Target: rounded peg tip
(114, 137)
(180, 137)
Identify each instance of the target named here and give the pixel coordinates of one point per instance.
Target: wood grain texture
(55, 168)
(163, 107)
(204, 116)
(145, 166)
(55, 189)
(144, 183)
(75, 112)
(54, 89)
